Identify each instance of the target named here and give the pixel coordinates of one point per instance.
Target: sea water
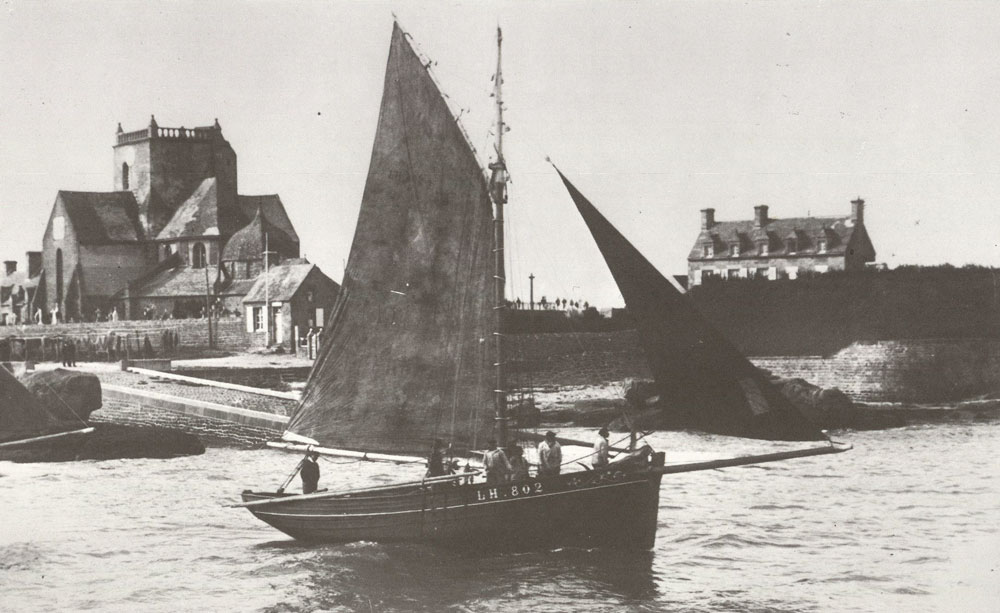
(907, 521)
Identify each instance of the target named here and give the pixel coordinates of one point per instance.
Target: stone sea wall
(39, 342)
(889, 371)
(211, 432)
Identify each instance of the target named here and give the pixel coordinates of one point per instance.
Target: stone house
(300, 297)
(768, 248)
(18, 289)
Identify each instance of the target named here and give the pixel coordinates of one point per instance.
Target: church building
(174, 230)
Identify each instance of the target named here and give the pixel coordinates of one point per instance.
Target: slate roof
(102, 217)
(273, 209)
(282, 281)
(806, 230)
(176, 282)
(197, 216)
(248, 243)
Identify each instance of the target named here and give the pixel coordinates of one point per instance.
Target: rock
(108, 442)
(827, 408)
(524, 413)
(637, 392)
(65, 394)
(589, 412)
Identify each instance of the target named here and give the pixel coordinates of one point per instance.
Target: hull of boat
(609, 508)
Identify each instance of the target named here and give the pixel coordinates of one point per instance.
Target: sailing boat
(26, 426)
(414, 352)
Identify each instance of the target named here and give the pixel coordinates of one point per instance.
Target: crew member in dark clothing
(435, 463)
(69, 353)
(310, 473)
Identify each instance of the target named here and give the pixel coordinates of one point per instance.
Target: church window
(124, 175)
(198, 259)
(59, 276)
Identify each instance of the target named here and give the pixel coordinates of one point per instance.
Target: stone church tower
(164, 166)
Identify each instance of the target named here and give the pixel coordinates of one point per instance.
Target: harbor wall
(822, 314)
(42, 342)
(225, 426)
(876, 371)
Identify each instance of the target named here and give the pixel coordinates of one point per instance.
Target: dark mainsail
(701, 376)
(406, 355)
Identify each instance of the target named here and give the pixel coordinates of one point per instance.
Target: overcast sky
(654, 109)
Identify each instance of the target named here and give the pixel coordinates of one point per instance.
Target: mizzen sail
(406, 356)
(704, 380)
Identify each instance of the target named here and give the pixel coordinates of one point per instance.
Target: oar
(298, 467)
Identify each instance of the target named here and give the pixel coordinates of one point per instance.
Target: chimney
(9, 267)
(34, 263)
(858, 211)
(760, 216)
(707, 219)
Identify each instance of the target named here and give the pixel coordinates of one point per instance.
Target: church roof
(281, 281)
(197, 216)
(175, 282)
(102, 217)
(273, 209)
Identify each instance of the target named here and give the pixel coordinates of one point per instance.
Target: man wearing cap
(549, 456)
(496, 464)
(600, 457)
(310, 473)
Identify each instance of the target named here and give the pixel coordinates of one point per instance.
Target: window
(124, 175)
(258, 319)
(59, 275)
(198, 259)
(821, 245)
(790, 245)
(707, 250)
(59, 228)
(792, 272)
(735, 250)
(764, 249)
(733, 273)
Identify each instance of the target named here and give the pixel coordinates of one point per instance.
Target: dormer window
(821, 245)
(763, 248)
(707, 250)
(734, 250)
(790, 245)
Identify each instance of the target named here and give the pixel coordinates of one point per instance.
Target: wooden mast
(498, 187)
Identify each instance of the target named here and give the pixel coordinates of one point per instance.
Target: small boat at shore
(414, 352)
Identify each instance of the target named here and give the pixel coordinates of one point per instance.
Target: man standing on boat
(435, 463)
(496, 464)
(310, 473)
(600, 458)
(549, 456)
